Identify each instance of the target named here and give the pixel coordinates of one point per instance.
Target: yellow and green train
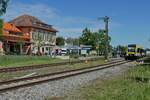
(134, 51)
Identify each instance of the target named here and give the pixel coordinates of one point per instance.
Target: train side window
(138, 50)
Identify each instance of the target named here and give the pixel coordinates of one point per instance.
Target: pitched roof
(24, 20)
(27, 20)
(10, 27)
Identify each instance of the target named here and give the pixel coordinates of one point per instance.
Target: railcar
(134, 51)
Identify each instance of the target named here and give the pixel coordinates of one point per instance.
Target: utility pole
(106, 20)
(149, 42)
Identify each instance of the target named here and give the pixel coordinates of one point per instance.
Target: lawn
(132, 85)
(69, 66)
(10, 61)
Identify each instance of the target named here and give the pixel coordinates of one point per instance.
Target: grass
(88, 63)
(147, 60)
(129, 86)
(120, 88)
(10, 61)
(7, 76)
(18, 61)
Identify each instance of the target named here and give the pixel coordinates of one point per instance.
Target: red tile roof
(31, 21)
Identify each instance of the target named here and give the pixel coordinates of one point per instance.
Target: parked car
(63, 51)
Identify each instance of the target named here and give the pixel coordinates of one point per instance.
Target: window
(49, 37)
(33, 36)
(43, 49)
(139, 50)
(46, 48)
(53, 39)
(41, 35)
(45, 36)
(36, 36)
(131, 49)
(132, 45)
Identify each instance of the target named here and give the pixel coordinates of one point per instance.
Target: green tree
(96, 39)
(3, 5)
(69, 41)
(1, 26)
(101, 38)
(60, 41)
(88, 38)
(121, 49)
(72, 41)
(76, 41)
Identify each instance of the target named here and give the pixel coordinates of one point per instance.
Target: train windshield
(131, 48)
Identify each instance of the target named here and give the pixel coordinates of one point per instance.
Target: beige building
(41, 35)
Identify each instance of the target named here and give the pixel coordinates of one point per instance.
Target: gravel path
(61, 87)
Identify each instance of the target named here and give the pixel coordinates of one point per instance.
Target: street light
(106, 20)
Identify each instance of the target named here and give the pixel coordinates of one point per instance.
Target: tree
(72, 41)
(101, 38)
(1, 26)
(76, 41)
(60, 41)
(121, 49)
(96, 39)
(3, 5)
(88, 38)
(69, 41)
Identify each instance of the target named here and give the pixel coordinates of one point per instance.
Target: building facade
(42, 36)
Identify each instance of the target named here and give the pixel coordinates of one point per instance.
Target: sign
(84, 52)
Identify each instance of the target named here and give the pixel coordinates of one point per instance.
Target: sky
(129, 19)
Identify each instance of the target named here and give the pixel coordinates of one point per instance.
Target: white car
(63, 51)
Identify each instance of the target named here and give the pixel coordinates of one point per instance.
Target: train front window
(131, 49)
(132, 46)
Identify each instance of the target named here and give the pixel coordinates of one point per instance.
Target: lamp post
(106, 20)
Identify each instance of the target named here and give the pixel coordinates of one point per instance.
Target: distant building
(148, 52)
(41, 35)
(85, 49)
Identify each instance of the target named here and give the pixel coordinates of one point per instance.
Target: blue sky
(129, 19)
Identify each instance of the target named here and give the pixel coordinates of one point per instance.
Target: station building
(41, 35)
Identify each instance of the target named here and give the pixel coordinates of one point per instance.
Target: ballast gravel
(61, 87)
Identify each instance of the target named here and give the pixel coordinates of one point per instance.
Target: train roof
(134, 45)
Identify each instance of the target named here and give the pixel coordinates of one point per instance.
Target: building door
(14, 48)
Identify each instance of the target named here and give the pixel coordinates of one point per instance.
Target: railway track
(24, 68)
(34, 80)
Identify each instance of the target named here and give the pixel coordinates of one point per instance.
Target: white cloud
(71, 30)
(67, 25)
(39, 10)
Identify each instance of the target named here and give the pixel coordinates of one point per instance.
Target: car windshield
(63, 50)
